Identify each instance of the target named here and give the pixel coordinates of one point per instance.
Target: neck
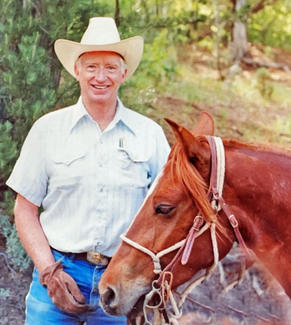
(102, 113)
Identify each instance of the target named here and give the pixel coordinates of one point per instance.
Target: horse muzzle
(113, 303)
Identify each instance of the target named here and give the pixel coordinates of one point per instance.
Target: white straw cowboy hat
(101, 35)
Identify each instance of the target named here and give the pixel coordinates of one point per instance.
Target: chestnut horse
(256, 189)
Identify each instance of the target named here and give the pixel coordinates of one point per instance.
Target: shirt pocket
(126, 158)
(67, 158)
(134, 167)
(68, 168)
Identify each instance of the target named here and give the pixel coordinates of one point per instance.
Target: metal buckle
(233, 221)
(97, 258)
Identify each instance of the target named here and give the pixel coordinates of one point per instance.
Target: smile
(100, 87)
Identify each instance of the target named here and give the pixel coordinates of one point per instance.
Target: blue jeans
(41, 311)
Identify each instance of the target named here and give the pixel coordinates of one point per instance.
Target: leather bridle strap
(217, 195)
(186, 247)
(234, 223)
(217, 180)
(217, 169)
(198, 221)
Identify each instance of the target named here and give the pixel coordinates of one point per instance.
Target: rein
(161, 288)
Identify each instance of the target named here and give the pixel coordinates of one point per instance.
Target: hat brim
(130, 49)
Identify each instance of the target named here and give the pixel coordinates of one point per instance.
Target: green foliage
(26, 92)
(15, 251)
(263, 83)
(8, 153)
(157, 68)
(272, 25)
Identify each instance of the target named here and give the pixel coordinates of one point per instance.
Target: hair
(123, 64)
(195, 186)
(265, 147)
(193, 183)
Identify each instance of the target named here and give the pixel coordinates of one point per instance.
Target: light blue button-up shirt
(89, 183)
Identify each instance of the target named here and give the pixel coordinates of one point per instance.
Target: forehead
(167, 187)
(100, 55)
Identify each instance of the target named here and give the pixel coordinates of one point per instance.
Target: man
(89, 167)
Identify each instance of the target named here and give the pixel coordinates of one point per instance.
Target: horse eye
(164, 209)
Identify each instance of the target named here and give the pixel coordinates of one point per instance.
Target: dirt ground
(13, 288)
(256, 300)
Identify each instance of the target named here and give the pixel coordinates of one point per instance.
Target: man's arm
(61, 287)
(31, 234)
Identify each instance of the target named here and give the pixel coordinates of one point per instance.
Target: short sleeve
(28, 176)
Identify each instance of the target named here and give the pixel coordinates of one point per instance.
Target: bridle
(162, 286)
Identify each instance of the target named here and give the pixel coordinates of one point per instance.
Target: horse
(186, 224)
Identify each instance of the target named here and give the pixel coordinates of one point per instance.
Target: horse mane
(186, 173)
(266, 147)
(194, 185)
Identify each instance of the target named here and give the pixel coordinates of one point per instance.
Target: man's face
(100, 74)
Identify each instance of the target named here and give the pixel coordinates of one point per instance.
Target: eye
(164, 209)
(91, 68)
(111, 68)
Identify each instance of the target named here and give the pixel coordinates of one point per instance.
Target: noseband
(162, 286)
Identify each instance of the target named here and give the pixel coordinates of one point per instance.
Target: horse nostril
(109, 297)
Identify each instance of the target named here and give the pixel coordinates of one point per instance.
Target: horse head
(185, 225)
(178, 195)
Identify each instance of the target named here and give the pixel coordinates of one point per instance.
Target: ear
(124, 76)
(76, 69)
(205, 124)
(193, 148)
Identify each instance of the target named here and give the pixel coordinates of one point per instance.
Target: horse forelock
(190, 178)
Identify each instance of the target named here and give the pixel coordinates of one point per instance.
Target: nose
(100, 74)
(110, 301)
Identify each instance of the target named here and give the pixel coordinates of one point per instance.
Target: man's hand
(63, 289)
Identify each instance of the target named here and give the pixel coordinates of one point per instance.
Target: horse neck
(257, 187)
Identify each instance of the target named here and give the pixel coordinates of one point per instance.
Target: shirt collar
(121, 115)
(78, 113)
(126, 118)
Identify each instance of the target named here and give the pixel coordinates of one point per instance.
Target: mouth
(100, 87)
(137, 309)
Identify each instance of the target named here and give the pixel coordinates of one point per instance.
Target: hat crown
(100, 35)
(101, 31)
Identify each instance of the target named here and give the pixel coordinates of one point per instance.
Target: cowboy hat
(100, 35)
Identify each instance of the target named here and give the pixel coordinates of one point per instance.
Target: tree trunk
(239, 34)
(117, 13)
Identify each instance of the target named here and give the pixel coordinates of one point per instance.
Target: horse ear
(205, 124)
(192, 147)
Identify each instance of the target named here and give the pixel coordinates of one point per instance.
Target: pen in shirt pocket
(121, 143)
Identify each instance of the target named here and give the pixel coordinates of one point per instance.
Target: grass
(244, 107)
(252, 105)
